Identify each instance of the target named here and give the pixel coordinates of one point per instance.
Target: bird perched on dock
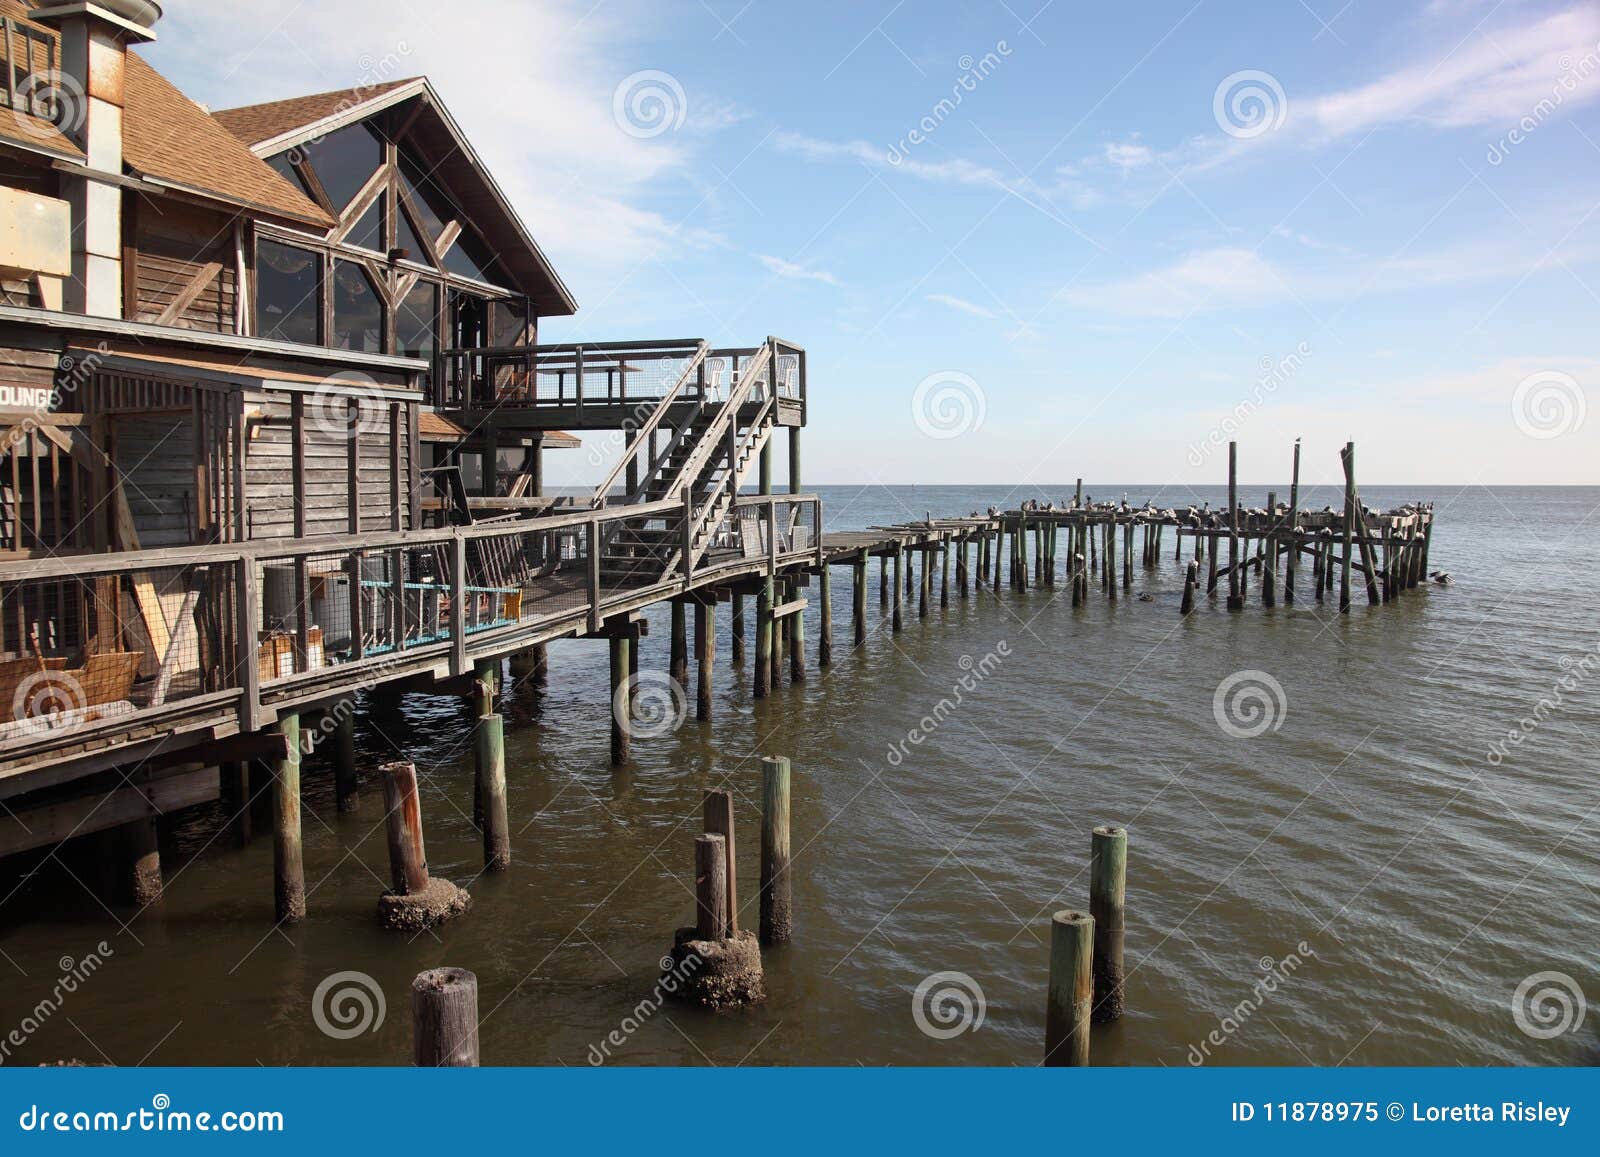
(1442, 578)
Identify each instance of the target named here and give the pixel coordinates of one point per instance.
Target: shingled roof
(171, 140)
(261, 122)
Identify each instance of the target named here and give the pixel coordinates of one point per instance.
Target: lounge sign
(35, 399)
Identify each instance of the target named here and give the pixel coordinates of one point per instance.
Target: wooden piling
(776, 916)
(288, 867)
(1071, 992)
(1292, 562)
(1191, 579)
(444, 1019)
(711, 887)
(736, 628)
(764, 632)
(141, 845)
(1235, 591)
(899, 562)
(1108, 870)
(824, 619)
(717, 810)
(782, 628)
(858, 604)
(235, 785)
(621, 699)
(408, 862)
(489, 749)
(346, 787)
(678, 648)
(944, 573)
(883, 579)
(705, 645)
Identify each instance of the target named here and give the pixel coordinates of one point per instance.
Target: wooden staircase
(705, 461)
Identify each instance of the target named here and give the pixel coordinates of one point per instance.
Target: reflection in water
(1428, 881)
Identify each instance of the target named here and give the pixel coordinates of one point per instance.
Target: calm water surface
(1426, 880)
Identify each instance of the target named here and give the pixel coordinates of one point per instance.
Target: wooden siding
(180, 254)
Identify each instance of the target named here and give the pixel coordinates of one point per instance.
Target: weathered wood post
(485, 674)
(944, 572)
(235, 785)
(1071, 992)
(899, 562)
(1111, 559)
(346, 787)
(1350, 515)
(408, 861)
(783, 591)
(621, 699)
(776, 916)
(1191, 579)
(288, 868)
(711, 887)
(1235, 594)
(883, 579)
(141, 846)
(444, 1019)
(1292, 562)
(678, 659)
(705, 644)
(824, 618)
(1127, 555)
(736, 627)
(764, 633)
(1108, 870)
(489, 743)
(717, 812)
(797, 638)
(858, 606)
(962, 575)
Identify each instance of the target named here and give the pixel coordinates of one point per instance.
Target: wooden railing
(105, 646)
(30, 76)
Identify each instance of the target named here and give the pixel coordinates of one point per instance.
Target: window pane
(289, 173)
(510, 323)
(406, 238)
(433, 207)
(344, 160)
(288, 293)
(357, 310)
(468, 258)
(368, 233)
(414, 322)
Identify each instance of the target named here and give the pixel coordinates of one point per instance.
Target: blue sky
(1142, 228)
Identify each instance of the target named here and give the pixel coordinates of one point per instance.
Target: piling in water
(444, 1019)
(1108, 868)
(1066, 1018)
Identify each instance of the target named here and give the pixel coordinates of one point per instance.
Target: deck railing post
(458, 605)
(577, 375)
(594, 574)
(249, 671)
(688, 531)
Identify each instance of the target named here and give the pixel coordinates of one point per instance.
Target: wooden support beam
(50, 824)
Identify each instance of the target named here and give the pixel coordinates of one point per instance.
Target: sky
(1025, 241)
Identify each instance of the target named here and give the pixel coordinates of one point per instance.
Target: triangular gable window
(344, 160)
(406, 238)
(368, 232)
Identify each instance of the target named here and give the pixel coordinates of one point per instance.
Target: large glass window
(414, 321)
(470, 257)
(344, 160)
(510, 323)
(368, 233)
(288, 293)
(357, 310)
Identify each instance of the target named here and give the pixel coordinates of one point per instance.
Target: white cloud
(788, 269)
(1205, 279)
(543, 124)
(963, 306)
(1128, 154)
